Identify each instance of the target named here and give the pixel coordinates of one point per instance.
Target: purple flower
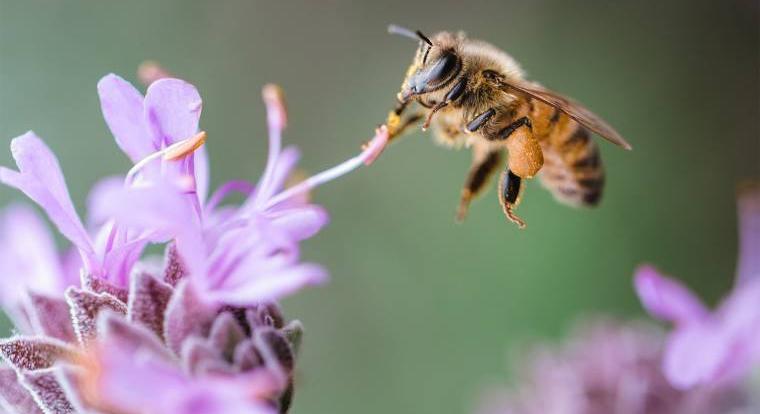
(31, 266)
(108, 255)
(245, 255)
(711, 347)
(196, 335)
(605, 367)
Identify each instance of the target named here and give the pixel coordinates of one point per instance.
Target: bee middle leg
(484, 164)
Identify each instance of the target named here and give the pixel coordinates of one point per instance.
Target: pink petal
(164, 213)
(300, 223)
(98, 197)
(122, 107)
(283, 166)
(749, 235)
(28, 257)
(41, 179)
(120, 259)
(273, 286)
(694, 355)
(665, 298)
(173, 110)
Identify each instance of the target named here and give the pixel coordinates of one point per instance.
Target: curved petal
(299, 223)
(41, 179)
(286, 162)
(29, 263)
(120, 260)
(98, 196)
(695, 355)
(749, 235)
(122, 107)
(665, 298)
(273, 286)
(173, 110)
(163, 212)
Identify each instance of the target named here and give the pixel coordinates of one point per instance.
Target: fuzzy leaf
(186, 315)
(85, 307)
(174, 269)
(265, 314)
(196, 351)
(293, 332)
(246, 356)
(148, 298)
(50, 315)
(33, 353)
(99, 285)
(69, 378)
(275, 349)
(114, 327)
(225, 334)
(14, 398)
(48, 393)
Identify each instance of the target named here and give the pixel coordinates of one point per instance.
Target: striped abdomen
(572, 169)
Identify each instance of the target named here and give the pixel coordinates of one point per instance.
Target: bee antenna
(423, 38)
(403, 31)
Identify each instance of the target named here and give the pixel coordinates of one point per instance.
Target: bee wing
(573, 109)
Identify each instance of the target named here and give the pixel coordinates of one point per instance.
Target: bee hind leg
(510, 186)
(484, 164)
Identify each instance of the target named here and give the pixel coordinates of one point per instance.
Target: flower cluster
(606, 367)
(712, 347)
(702, 367)
(103, 328)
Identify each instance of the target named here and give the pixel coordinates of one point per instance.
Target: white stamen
(367, 156)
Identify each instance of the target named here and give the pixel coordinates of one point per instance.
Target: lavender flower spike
(710, 348)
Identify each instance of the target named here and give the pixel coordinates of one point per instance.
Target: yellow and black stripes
(572, 169)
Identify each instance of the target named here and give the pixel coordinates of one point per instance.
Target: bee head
(433, 68)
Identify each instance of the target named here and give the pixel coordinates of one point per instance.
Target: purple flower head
(605, 367)
(245, 255)
(198, 335)
(711, 347)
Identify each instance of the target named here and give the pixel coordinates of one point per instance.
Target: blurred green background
(421, 311)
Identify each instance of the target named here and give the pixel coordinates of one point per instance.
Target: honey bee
(475, 95)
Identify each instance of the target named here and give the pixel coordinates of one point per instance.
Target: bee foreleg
(483, 166)
(397, 123)
(452, 95)
(510, 186)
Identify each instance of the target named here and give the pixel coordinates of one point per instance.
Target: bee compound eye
(442, 69)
